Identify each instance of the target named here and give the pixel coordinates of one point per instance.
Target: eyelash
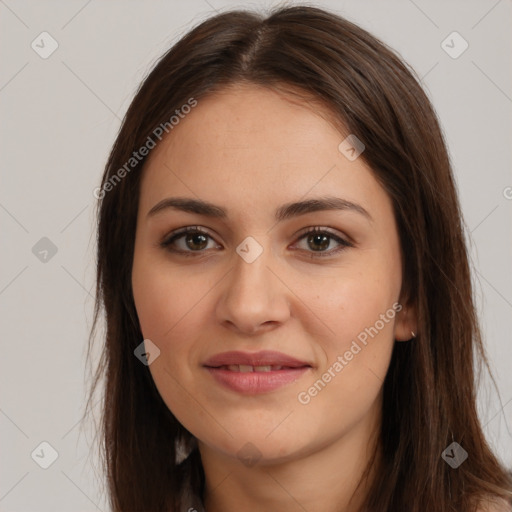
(166, 244)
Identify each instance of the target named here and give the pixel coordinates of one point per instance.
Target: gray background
(60, 116)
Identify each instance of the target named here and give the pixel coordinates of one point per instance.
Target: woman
(289, 312)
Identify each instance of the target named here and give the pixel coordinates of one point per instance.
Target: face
(256, 284)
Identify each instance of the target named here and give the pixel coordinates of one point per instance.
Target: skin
(250, 150)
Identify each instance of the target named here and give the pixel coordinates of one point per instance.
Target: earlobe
(411, 337)
(405, 325)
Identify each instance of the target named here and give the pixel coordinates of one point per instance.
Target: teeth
(246, 368)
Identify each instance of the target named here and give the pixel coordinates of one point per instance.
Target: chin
(256, 447)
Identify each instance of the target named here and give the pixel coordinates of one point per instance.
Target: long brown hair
(430, 388)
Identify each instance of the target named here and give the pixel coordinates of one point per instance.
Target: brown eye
(187, 241)
(196, 241)
(193, 241)
(318, 241)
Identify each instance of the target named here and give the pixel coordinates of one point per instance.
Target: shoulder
(494, 505)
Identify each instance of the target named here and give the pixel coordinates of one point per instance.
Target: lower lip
(253, 383)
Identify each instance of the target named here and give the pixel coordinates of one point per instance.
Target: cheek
(170, 315)
(165, 300)
(352, 306)
(359, 308)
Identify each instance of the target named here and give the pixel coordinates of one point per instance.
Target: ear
(406, 323)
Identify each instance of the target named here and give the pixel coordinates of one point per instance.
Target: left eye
(196, 241)
(321, 239)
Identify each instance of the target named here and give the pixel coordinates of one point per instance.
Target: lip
(262, 358)
(255, 382)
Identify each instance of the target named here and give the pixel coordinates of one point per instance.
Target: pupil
(194, 238)
(325, 240)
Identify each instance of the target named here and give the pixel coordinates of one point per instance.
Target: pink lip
(257, 381)
(262, 358)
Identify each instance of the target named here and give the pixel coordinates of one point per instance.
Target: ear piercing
(413, 335)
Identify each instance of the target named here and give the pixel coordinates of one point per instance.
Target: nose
(253, 297)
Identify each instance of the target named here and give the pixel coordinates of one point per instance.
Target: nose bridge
(251, 261)
(252, 294)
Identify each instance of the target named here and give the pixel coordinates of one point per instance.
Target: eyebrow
(284, 212)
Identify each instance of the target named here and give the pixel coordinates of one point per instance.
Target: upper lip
(262, 358)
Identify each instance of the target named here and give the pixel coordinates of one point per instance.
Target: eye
(193, 238)
(192, 241)
(319, 239)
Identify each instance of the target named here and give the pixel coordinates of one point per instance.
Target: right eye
(192, 238)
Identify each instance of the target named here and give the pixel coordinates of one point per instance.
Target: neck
(325, 480)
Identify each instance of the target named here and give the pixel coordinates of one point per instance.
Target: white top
(190, 502)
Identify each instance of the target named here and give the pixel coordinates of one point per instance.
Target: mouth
(255, 373)
(245, 368)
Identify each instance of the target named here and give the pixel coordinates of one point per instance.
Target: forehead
(246, 119)
(249, 141)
